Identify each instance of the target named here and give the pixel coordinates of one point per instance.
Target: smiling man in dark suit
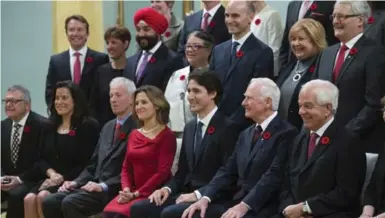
(240, 59)
(356, 65)
(20, 135)
(154, 63)
(256, 166)
(208, 141)
(211, 19)
(296, 10)
(78, 63)
(99, 182)
(327, 164)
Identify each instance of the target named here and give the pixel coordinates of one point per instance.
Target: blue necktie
(198, 136)
(234, 51)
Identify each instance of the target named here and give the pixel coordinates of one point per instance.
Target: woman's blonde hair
(313, 29)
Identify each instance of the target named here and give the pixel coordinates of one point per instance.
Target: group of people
(226, 115)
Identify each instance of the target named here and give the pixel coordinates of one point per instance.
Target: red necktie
(205, 21)
(77, 68)
(339, 62)
(312, 144)
(117, 131)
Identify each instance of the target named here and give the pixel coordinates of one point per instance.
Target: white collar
(82, 51)
(266, 122)
(154, 49)
(242, 40)
(350, 44)
(206, 120)
(212, 11)
(323, 128)
(22, 121)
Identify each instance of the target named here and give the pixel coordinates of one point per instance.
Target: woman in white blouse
(267, 27)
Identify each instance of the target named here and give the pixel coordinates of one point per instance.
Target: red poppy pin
(313, 6)
(257, 22)
(311, 69)
(182, 77)
(239, 54)
(27, 129)
(353, 51)
(325, 140)
(212, 24)
(266, 135)
(152, 60)
(211, 130)
(122, 136)
(167, 34)
(370, 20)
(89, 60)
(72, 133)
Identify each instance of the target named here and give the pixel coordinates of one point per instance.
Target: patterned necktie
(304, 7)
(258, 131)
(205, 21)
(117, 132)
(142, 66)
(198, 136)
(15, 143)
(234, 51)
(339, 62)
(77, 68)
(312, 144)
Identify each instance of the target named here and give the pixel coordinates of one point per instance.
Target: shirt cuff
(198, 194)
(246, 205)
(104, 186)
(207, 198)
(19, 180)
(168, 189)
(307, 208)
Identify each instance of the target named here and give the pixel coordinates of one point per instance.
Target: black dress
(100, 93)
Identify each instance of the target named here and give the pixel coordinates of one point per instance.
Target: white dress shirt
(82, 57)
(212, 12)
(152, 51)
(242, 40)
(350, 44)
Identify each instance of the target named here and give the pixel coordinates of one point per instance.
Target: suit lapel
(197, 20)
(150, 68)
(296, 7)
(246, 149)
(328, 69)
(190, 133)
(218, 17)
(303, 147)
(7, 139)
(87, 62)
(67, 64)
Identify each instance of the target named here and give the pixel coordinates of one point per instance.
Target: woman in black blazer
(307, 40)
(66, 146)
(374, 198)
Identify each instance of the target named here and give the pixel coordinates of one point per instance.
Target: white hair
(358, 7)
(268, 90)
(122, 81)
(325, 92)
(23, 90)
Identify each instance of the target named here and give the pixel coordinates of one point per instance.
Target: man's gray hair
(358, 7)
(325, 92)
(23, 90)
(268, 90)
(122, 81)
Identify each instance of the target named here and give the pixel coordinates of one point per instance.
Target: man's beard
(146, 42)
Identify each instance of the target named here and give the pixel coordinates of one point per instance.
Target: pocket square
(316, 14)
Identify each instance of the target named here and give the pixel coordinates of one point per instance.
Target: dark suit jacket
(376, 30)
(375, 192)
(63, 159)
(331, 180)
(60, 70)
(157, 72)
(106, 162)
(293, 116)
(29, 147)
(321, 13)
(256, 61)
(194, 172)
(256, 169)
(363, 75)
(217, 28)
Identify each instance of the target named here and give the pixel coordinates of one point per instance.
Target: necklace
(148, 131)
(298, 73)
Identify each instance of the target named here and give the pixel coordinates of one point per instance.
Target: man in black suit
(327, 164)
(200, 157)
(20, 134)
(99, 182)
(296, 10)
(154, 63)
(256, 166)
(78, 63)
(211, 19)
(240, 59)
(356, 65)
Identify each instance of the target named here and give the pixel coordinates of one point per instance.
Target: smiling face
(238, 18)
(302, 45)
(144, 108)
(146, 37)
(116, 48)
(255, 105)
(64, 103)
(346, 24)
(200, 100)
(160, 6)
(196, 52)
(77, 34)
(120, 100)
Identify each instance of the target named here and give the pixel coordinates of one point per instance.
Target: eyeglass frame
(343, 17)
(12, 101)
(197, 47)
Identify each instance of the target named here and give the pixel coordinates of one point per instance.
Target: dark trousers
(75, 204)
(113, 215)
(145, 209)
(15, 199)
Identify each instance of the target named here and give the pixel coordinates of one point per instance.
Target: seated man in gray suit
(100, 181)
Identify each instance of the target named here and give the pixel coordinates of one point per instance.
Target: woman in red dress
(150, 152)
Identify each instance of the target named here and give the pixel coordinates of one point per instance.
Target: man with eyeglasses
(357, 67)
(20, 134)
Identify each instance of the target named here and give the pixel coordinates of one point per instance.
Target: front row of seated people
(267, 170)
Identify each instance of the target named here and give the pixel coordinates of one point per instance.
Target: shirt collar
(350, 44)
(22, 121)
(212, 11)
(122, 121)
(242, 40)
(154, 49)
(266, 122)
(206, 120)
(82, 51)
(323, 128)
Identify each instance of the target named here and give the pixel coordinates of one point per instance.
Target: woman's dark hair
(209, 80)
(80, 111)
(206, 37)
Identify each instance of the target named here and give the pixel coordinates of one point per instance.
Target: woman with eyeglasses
(197, 52)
